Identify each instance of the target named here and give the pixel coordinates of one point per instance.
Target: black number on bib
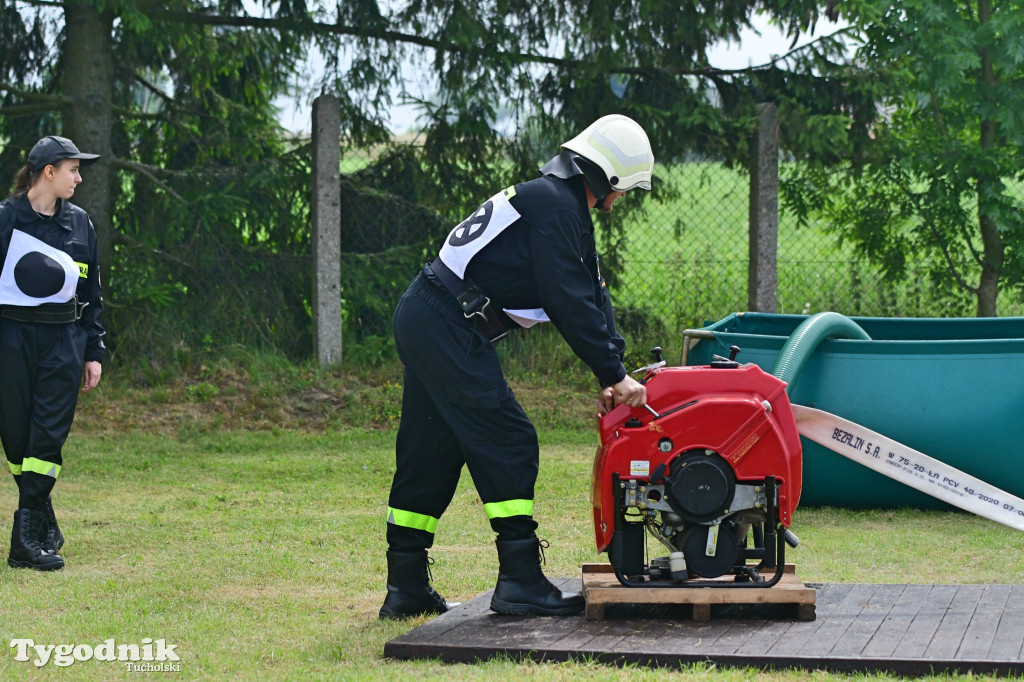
(472, 227)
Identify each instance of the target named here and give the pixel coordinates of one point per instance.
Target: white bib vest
(35, 273)
(470, 236)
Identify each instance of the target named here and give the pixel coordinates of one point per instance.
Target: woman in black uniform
(51, 340)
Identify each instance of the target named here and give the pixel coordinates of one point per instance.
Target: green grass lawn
(259, 554)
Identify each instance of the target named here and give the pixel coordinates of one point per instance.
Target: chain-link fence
(686, 260)
(682, 254)
(679, 255)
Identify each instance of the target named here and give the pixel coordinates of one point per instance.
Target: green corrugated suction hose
(807, 337)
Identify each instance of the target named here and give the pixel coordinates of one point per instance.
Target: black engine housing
(700, 486)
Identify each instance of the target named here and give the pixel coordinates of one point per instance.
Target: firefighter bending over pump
(526, 256)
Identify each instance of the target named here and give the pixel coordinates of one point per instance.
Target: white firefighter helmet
(620, 148)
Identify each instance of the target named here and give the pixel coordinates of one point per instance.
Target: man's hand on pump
(629, 392)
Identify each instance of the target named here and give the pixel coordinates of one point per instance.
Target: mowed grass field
(238, 514)
(258, 551)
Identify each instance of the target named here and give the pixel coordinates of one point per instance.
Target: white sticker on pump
(639, 467)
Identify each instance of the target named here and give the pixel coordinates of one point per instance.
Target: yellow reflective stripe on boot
(501, 510)
(15, 468)
(39, 466)
(410, 519)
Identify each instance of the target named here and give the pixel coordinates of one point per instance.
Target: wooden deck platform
(903, 629)
(602, 589)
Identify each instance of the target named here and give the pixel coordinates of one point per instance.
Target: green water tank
(950, 388)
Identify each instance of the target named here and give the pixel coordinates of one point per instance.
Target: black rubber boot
(26, 543)
(53, 539)
(522, 588)
(409, 590)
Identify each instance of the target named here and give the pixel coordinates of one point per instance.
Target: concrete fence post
(326, 214)
(762, 273)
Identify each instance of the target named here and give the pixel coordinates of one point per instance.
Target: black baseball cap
(52, 149)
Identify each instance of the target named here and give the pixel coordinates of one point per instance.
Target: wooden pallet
(601, 588)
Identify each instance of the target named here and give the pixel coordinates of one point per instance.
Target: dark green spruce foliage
(201, 201)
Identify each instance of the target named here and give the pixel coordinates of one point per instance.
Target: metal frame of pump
(628, 544)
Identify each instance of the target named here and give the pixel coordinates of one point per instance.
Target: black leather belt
(476, 306)
(47, 313)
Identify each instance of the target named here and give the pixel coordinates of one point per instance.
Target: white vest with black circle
(35, 273)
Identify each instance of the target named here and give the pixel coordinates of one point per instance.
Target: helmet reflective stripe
(624, 166)
(410, 519)
(501, 510)
(619, 146)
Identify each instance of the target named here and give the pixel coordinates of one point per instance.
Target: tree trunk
(87, 79)
(993, 252)
(993, 246)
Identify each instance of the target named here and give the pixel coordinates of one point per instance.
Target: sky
(756, 46)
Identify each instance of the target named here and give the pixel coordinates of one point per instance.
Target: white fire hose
(910, 467)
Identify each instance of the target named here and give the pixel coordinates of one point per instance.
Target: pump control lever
(659, 361)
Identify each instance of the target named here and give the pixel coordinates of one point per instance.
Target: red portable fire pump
(710, 468)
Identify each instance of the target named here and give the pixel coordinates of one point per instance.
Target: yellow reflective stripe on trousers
(39, 466)
(501, 510)
(410, 519)
(15, 468)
